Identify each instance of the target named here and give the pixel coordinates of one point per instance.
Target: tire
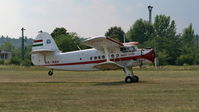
(50, 73)
(136, 78)
(129, 79)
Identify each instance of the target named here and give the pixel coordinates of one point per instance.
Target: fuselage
(87, 59)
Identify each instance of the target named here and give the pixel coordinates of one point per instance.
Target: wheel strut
(130, 77)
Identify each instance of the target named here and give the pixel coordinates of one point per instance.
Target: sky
(89, 17)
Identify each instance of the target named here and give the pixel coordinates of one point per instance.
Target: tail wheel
(50, 73)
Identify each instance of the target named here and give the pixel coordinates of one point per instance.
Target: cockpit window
(128, 49)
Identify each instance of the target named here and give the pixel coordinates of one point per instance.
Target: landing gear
(130, 77)
(50, 73)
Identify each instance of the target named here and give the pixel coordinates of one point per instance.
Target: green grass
(33, 90)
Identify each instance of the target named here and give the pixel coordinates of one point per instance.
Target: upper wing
(100, 43)
(106, 45)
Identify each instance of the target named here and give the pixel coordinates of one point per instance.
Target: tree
(7, 46)
(59, 31)
(66, 41)
(15, 53)
(166, 40)
(188, 36)
(116, 33)
(140, 31)
(189, 48)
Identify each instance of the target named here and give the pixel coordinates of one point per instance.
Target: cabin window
(117, 55)
(95, 57)
(128, 49)
(112, 56)
(99, 57)
(103, 57)
(91, 58)
(80, 59)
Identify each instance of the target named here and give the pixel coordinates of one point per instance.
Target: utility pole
(22, 43)
(150, 13)
(150, 21)
(197, 37)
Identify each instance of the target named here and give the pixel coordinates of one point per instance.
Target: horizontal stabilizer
(43, 51)
(109, 65)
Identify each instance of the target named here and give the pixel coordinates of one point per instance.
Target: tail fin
(44, 43)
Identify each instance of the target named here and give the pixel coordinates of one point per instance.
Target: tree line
(172, 48)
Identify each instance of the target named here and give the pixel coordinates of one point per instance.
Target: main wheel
(129, 79)
(50, 73)
(136, 78)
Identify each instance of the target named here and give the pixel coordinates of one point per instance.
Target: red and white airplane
(106, 54)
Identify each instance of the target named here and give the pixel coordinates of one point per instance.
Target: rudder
(44, 42)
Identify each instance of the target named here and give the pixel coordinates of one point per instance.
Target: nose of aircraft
(150, 55)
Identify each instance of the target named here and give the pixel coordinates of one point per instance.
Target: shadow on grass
(93, 83)
(121, 83)
(90, 83)
(109, 83)
(116, 83)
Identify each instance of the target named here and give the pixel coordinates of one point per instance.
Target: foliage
(188, 36)
(15, 60)
(66, 41)
(171, 48)
(16, 54)
(141, 31)
(59, 31)
(163, 58)
(189, 49)
(116, 33)
(16, 42)
(184, 59)
(7, 46)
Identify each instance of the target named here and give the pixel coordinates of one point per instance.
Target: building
(5, 55)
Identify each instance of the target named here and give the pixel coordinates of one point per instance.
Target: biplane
(105, 54)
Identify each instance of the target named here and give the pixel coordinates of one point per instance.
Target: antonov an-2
(106, 54)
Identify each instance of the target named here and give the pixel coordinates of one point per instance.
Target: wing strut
(106, 53)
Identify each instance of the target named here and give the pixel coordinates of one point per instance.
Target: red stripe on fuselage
(146, 56)
(35, 41)
(98, 61)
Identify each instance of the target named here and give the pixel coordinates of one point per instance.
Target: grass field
(32, 90)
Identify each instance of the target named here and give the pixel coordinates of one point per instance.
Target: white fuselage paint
(86, 59)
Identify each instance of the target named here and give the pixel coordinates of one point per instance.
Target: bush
(26, 62)
(6, 62)
(2, 62)
(163, 58)
(185, 60)
(15, 61)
